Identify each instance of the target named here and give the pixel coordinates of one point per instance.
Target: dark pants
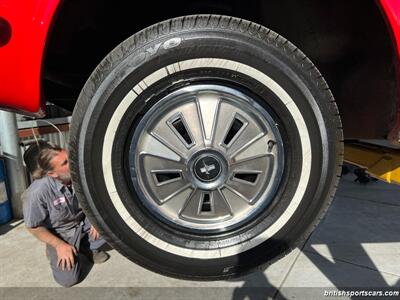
(80, 239)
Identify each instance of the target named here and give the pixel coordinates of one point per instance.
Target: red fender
(22, 56)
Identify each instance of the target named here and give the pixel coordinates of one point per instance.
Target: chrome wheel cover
(206, 158)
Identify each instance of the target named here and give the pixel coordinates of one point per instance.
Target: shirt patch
(59, 201)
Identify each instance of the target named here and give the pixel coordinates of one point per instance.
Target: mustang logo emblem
(206, 169)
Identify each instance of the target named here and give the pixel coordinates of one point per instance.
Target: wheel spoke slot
(206, 203)
(233, 131)
(181, 130)
(248, 177)
(164, 177)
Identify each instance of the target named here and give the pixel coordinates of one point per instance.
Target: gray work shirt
(49, 203)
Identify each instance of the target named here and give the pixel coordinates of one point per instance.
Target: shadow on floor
(10, 226)
(256, 286)
(361, 217)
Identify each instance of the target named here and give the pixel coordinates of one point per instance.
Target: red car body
(25, 27)
(22, 57)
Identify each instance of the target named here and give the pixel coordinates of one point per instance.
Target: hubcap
(206, 158)
(207, 168)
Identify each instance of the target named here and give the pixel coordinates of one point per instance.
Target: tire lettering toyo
(172, 43)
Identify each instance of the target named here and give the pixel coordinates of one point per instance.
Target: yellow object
(380, 162)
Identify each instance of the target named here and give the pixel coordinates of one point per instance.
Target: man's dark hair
(38, 158)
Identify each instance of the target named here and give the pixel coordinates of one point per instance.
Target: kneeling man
(52, 214)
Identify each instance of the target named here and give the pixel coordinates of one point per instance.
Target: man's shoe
(98, 256)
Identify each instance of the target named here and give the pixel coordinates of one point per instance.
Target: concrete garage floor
(357, 245)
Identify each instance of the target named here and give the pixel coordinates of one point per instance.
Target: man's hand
(65, 252)
(94, 234)
(65, 256)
